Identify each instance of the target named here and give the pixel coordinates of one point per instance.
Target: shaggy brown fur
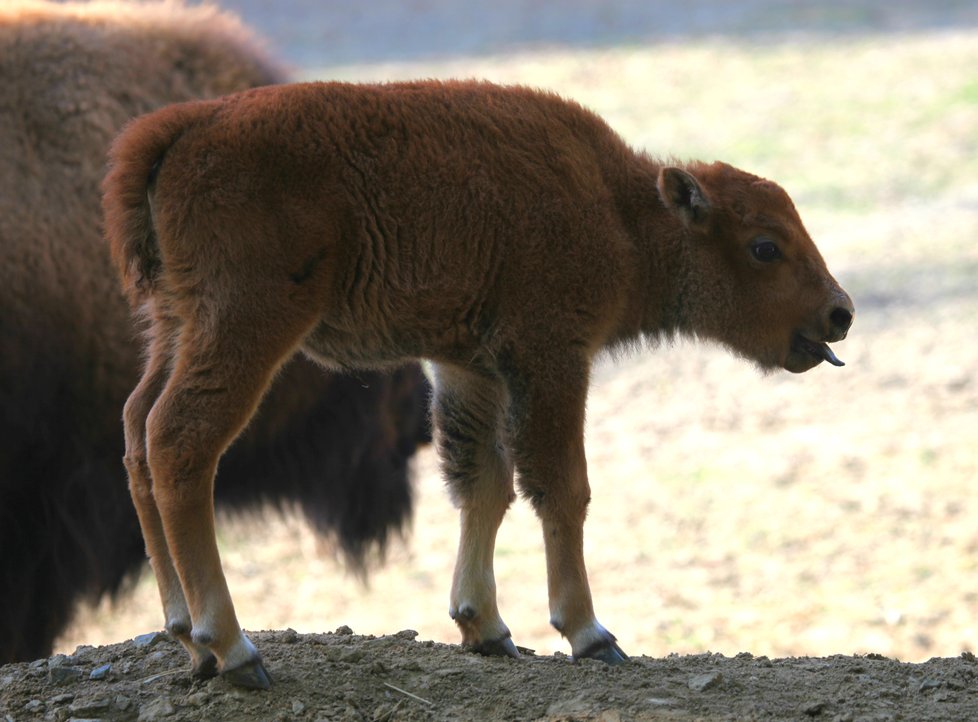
(505, 234)
(72, 75)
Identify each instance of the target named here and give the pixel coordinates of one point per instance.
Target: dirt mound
(344, 676)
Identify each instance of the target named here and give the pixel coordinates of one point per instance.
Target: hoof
(606, 650)
(205, 667)
(251, 675)
(497, 648)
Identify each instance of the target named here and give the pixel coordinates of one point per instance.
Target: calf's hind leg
(176, 614)
(222, 366)
(468, 415)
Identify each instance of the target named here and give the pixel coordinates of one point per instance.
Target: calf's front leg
(547, 419)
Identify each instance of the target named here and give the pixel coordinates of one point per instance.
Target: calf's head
(755, 280)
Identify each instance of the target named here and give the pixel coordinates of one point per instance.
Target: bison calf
(504, 234)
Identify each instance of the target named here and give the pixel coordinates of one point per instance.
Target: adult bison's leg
(549, 394)
(223, 364)
(163, 337)
(468, 414)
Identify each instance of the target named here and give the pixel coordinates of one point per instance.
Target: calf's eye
(765, 250)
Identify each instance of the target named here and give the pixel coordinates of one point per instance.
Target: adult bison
(503, 233)
(73, 75)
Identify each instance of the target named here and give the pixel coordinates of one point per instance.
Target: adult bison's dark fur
(72, 76)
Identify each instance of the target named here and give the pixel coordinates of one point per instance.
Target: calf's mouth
(803, 345)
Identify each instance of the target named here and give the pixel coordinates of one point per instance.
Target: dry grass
(827, 513)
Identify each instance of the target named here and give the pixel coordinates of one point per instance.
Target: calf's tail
(134, 160)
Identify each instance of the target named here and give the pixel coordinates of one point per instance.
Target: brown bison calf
(505, 234)
(72, 75)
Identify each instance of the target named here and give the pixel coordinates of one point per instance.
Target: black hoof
(606, 650)
(251, 675)
(497, 648)
(205, 668)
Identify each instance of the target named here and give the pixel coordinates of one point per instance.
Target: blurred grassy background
(784, 515)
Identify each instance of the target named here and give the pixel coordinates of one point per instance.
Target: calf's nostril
(841, 318)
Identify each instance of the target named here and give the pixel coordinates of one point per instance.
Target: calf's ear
(682, 194)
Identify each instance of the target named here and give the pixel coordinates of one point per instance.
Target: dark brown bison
(503, 233)
(72, 76)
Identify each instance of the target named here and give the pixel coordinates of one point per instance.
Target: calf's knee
(178, 456)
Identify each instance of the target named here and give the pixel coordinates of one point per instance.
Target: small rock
(33, 706)
(343, 630)
(289, 636)
(407, 634)
(100, 672)
(450, 672)
(581, 706)
(58, 660)
(63, 698)
(929, 684)
(148, 640)
(298, 707)
(7, 681)
(122, 702)
(38, 664)
(198, 699)
(64, 675)
(157, 657)
(89, 706)
(352, 656)
(705, 681)
(814, 709)
(156, 709)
